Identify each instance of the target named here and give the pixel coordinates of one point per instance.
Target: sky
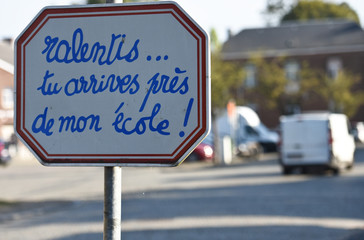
(233, 15)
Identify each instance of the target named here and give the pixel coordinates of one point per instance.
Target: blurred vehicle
(4, 154)
(316, 140)
(249, 149)
(203, 152)
(247, 125)
(358, 132)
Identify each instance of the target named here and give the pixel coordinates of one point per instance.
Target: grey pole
(112, 196)
(112, 203)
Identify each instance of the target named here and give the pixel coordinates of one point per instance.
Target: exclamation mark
(188, 111)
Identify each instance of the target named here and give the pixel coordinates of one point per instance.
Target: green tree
(339, 93)
(95, 1)
(274, 10)
(271, 82)
(317, 9)
(214, 40)
(226, 78)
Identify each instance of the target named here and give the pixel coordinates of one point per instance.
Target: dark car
(249, 149)
(4, 154)
(203, 152)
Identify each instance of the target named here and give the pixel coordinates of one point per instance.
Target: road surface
(246, 200)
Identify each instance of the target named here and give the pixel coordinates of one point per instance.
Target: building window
(250, 77)
(292, 69)
(7, 98)
(292, 109)
(334, 66)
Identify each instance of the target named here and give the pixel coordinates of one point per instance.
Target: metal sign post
(112, 197)
(112, 203)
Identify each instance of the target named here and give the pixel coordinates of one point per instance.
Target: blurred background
(270, 59)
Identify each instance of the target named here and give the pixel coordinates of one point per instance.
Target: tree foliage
(226, 77)
(317, 9)
(214, 40)
(271, 81)
(274, 11)
(339, 93)
(275, 6)
(95, 1)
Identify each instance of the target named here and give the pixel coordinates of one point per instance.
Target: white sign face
(119, 85)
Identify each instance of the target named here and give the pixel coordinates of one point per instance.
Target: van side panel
(343, 143)
(305, 142)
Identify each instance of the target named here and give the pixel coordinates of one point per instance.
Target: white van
(316, 140)
(247, 127)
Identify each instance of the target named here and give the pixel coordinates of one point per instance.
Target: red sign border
(172, 159)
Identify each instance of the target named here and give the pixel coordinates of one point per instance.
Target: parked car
(4, 153)
(203, 152)
(319, 140)
(249, 149)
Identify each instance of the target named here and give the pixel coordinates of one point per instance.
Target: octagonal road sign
(112, 85)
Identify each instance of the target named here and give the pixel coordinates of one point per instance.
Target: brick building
(331, 46)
